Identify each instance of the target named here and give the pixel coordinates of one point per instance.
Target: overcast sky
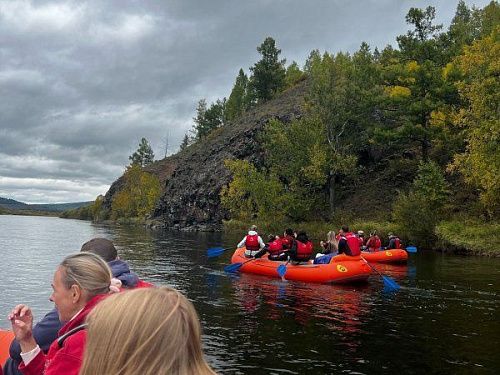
(82, 81)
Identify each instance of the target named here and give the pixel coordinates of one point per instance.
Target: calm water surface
(444, 320)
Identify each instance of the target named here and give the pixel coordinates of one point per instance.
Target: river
(445, 319)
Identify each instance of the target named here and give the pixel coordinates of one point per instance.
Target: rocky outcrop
(192, 179)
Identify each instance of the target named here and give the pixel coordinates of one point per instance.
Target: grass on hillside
(471, 236)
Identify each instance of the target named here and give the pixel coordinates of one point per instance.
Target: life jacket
(353, 243)
(397, 243)
(287, 242)
(304, 250)
(252, 242)
(275, 247)
(374, 243)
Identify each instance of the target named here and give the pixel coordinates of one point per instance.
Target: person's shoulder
(74, 344)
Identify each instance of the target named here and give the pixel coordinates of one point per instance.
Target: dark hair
(302, 237)
(289, 231)
(345, 228)
(102, 247)
(271, 237)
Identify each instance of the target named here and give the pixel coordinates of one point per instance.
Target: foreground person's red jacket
(66, 360)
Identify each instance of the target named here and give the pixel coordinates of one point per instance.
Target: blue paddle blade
(390, 284)
(281, 270)
(411, 249)
(214, 252)
(232, 268)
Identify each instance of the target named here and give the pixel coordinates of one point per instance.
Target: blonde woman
(79, 283)
(331, 246)
(144, 331)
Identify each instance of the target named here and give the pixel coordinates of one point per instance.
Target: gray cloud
(82, 81)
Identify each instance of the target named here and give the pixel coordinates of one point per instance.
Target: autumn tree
(479, 119)
(138, 195)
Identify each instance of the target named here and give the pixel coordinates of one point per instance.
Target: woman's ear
(76, 293)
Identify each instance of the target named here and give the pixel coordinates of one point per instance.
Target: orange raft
(341, 269)
(6, 338)
(386, 256)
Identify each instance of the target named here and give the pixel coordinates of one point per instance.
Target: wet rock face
(192, 179)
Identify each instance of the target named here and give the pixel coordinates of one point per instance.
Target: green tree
(252, 193)
(478, 119)
(185, 142)
(269, 72)
(208, 118)
(418, 211)
(420, 44)
(293, 75)
(144, 154)
(417, 92)
(239, 99)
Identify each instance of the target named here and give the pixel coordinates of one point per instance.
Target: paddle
(215, 252)
(411, 249)
(282, 270)
(389, 283)
(232, 268)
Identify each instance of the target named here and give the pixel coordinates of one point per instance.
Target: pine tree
(238, 100)
(185, 142)
(144, 154)
(269, 72)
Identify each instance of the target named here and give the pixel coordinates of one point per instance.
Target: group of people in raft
(296, 246)
(106, 321)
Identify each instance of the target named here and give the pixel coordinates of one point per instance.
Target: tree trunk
(331, 194)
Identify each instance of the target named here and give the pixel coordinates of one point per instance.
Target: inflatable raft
(341, 269)
(6, 338)
(386, 256)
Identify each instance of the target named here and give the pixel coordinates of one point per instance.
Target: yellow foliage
(412, 66)
(138, 195)
(398, 91)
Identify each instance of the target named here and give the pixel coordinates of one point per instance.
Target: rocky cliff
(193, 178)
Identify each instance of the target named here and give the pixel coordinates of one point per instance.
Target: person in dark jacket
(45, 331)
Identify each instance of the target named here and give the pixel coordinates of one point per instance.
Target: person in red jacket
(288, 238)
(374, 243)
(302, 248)
(275, 249)
(45, 331)
(348, 242)
(394, 242)
(79, 283)
(252, 241)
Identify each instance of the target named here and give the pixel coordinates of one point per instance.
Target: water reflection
(444, 319)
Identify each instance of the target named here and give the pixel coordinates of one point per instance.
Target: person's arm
(44, 332)
(242, 242)
(261, 243)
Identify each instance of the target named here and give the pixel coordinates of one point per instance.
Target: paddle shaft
(373, 268)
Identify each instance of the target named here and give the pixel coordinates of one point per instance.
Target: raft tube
(6, 338)
(386, 256)
(341, 269)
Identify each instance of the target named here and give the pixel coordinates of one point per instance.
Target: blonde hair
(144, 331)
(89, 271)
(330, 236)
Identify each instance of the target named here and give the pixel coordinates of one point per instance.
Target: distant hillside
(11, 204)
